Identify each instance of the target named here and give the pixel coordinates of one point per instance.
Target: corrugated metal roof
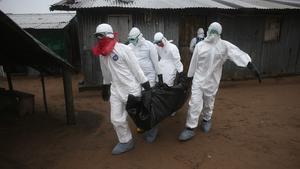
(178, 4)
(42, 21)
(145, 4)
(270, 4)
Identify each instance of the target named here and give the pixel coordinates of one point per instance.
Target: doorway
(121, 24)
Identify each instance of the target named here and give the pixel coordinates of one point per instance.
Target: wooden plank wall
(90, 64)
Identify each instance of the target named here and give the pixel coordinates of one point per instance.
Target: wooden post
(70, 114)
(10, 85)
(7, 70)
(44, 92)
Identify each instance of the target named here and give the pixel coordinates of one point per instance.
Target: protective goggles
(213, 32)
(159, 43)
(133, 40)
(99, 35)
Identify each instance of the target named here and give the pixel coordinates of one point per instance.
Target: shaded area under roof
(20, 48)
(176, 4)
(42, 21)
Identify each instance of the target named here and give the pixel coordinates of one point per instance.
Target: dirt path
(254, 126)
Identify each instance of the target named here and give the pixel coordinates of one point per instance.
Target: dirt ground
(254, 127)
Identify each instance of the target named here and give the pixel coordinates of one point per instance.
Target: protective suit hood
(214, 32)
(134, 36)
(106, 40)
(160, 40)
(105, 30)
(200, 33)
(169, 55)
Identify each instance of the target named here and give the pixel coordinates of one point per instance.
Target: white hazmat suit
(146, 54)
(195, 40)
(206, 69)
(122, 76)
(169, 62)
(122, 70)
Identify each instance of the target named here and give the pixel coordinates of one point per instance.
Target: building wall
(282, 56)
(91, 70)
(245, 30)
(272, 57)
(152, 22)
(54, 39)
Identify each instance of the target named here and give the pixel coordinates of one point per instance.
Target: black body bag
(156, 104)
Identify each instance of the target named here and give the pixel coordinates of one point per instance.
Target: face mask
(201, 35)
(104, 46)
(212, 31)
(160, 44)
(135, 40)
(212, 38)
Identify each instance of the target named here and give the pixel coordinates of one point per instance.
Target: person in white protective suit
(121, 71)
(147, 56)
(169, 62)
(206, 70)
(197, 39)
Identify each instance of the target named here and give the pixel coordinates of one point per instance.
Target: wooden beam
(7, 70)
(44, 92)
(70, 114)
(10, 85)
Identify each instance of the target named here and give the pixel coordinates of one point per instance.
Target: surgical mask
(212, 31)
(201, 35)
(212, 36)
(160, 43)
(134, 41)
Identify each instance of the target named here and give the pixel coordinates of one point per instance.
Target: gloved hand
(106, 92)
(160, 80)
(146, 85)
(189, 81)
(254, 69)
(161, 83)
(181, 77)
